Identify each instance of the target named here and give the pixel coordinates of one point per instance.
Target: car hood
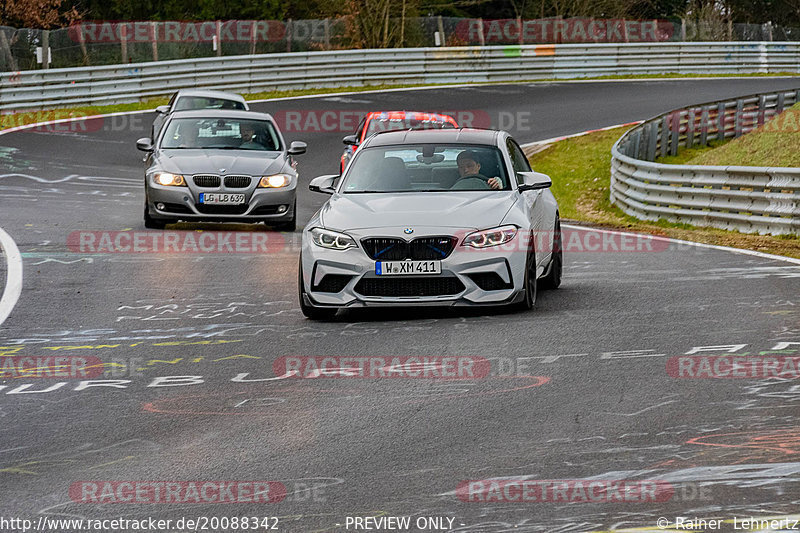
(464, 210)
(250, 163)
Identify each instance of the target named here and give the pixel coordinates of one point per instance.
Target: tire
(553, 278)
(309, 311)
(529, 285)
(150, 222)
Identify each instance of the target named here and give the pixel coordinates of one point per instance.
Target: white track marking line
(13, 276)
(552, 140)
(70, 119)
(689, 243)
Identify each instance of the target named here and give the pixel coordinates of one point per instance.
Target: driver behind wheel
(189, 136)
(469, 167)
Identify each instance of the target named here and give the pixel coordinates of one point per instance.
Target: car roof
(222, 113)
(447, 136)
(420, 115)
(211, 94)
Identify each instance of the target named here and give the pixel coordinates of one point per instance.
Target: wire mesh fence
(90, 43)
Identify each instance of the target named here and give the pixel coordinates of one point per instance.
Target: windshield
(426, 167)
(221, 133)
(204, 102)
(378, 124)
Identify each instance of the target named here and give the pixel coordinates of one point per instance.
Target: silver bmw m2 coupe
(432, 217)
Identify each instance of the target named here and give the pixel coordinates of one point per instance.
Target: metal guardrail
(747, 199)
(43, 89)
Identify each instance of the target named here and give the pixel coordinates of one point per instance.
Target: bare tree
(36, 13)
(711, 19)
(379, 23)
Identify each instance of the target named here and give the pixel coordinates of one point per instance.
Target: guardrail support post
(690, 118)
(664, 136)
(737, 120)
(154, 30)
(781, 103)
(219, 34)
(45, 49)
(704, 126)
(762, 109)
(123, 41)
(721, 121)
(652, 141)
(675, 133)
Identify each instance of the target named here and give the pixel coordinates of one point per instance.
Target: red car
(378, 121)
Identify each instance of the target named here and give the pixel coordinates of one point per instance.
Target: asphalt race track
(578, 388)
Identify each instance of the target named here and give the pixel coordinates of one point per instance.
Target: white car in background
(190, 99)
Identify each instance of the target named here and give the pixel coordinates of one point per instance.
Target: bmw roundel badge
(408, 231)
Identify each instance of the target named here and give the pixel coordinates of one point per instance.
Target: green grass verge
(581, 171)
(687, 155)
(772, 145)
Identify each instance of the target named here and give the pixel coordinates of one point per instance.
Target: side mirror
(534, 181)
(324, 184)
(162, 109)
(350, 140)
(145, 144)
(297, 148)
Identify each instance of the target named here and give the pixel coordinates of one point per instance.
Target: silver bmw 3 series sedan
(432, 217)
(222, 166)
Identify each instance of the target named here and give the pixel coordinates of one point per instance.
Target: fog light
(282, 208)
(160, 206)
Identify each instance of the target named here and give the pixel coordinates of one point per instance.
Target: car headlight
(332, 240)
(275, 181)
(490, 237)
(167, 179)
